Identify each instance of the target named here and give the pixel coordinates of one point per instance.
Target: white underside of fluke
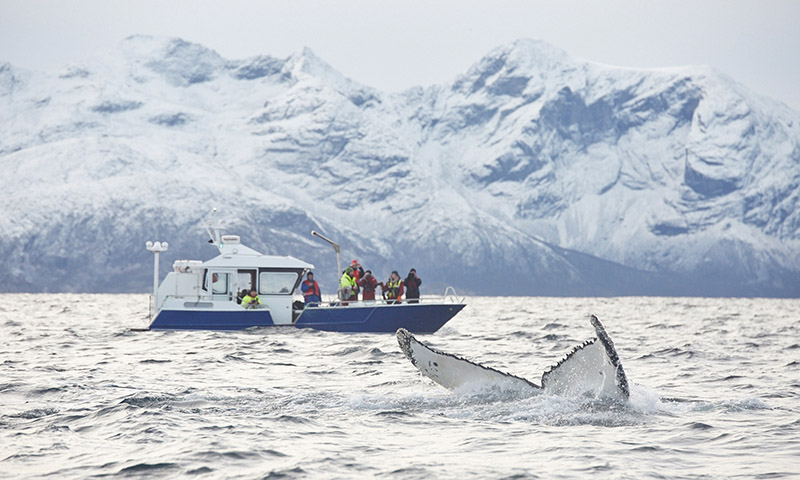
(456, 373)
(591, 369)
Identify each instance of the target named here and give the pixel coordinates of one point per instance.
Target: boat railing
(328, 301)
(451, 296)
(332, 301)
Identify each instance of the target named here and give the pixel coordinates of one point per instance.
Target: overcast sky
(392, 45)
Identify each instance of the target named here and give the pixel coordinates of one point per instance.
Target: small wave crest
(680, 406)
(34, 413)
(148, 401)
(745, 404)
(140, 469)
(295, 472)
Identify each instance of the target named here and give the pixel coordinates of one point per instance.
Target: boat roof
(241, 256)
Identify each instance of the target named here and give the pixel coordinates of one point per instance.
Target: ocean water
(83, 394)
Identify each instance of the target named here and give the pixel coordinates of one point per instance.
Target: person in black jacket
(412, 283)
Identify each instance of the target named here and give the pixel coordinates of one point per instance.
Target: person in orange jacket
(310, 289)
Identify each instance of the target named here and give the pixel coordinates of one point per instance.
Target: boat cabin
(218, 283)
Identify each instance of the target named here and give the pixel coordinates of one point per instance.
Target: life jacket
(246, 302)
(348, 281)
(313, 290)
(347, 286)
(394, 288)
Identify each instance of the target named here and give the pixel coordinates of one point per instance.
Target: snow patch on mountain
(531, 173)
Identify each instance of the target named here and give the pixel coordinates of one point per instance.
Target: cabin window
(246, 279)
(276, 283)
(219, 283)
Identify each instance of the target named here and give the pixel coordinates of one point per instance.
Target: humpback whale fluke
(453, 372)
(591, 369)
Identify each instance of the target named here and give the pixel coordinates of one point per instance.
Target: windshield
(276, 283)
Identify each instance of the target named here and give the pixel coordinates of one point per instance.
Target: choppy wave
(713, 395)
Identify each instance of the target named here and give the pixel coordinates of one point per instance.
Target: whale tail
(591, 369)
(456, 373)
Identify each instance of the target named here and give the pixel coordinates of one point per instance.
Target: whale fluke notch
(590, 369)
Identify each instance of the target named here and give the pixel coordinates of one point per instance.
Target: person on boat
(348, 287)
(251, 300)
(368, 285)
(358, 274)
(393, 288)
(310, 289)
(412, 283)
(241, 295)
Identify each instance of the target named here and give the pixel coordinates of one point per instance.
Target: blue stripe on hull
(417, 318)
(211, 320)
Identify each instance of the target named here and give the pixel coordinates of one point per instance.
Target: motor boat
(205, 295)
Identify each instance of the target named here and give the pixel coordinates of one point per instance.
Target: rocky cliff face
(532, 173)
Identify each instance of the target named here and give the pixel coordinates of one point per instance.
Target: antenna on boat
(335, 247)
(156, 248)
(213, 231)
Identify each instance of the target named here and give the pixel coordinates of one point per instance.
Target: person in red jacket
(368, 285)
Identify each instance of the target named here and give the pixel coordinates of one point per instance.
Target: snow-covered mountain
(532, 173)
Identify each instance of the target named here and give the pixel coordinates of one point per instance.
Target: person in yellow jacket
(348, 287)
(251, 300)
(393, 289)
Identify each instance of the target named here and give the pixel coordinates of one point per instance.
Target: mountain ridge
(531, 173)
